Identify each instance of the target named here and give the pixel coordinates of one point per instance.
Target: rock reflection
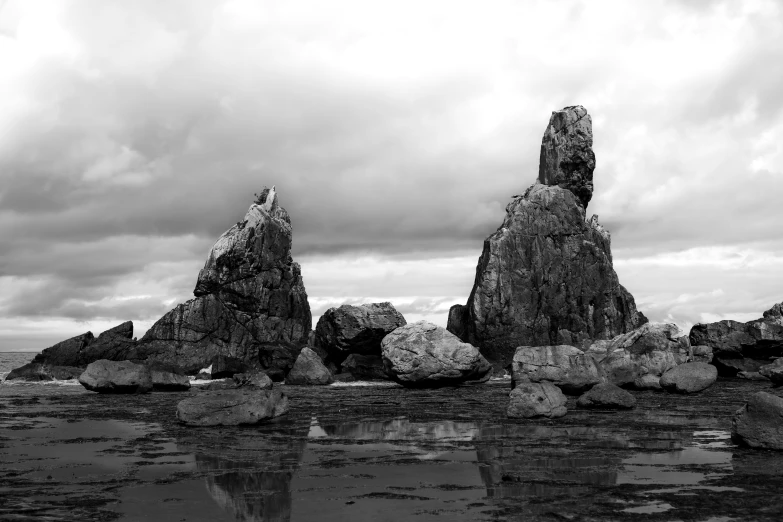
(399, 428)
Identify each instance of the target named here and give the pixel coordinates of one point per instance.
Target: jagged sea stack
(250, 300)
(545, 277)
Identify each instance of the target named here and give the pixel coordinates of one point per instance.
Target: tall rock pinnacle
(545, 277)
(567, 159)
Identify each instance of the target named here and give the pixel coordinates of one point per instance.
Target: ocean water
(11, 360)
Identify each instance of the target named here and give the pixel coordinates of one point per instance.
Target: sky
(132, 134)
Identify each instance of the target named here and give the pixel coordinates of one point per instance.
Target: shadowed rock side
(545, 277)
(250, 300)
(742, 347)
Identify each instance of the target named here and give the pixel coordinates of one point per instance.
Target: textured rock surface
(359, 330)
(701, 354)
(309, 369)
(116, 377)
(606, 395)
(647, 381)
(545, 277)
(250, 300)
(168, 381)
(531, 400)
(651, 349)
(759, 423)
(365, 367)
(739, 346)
(258, 380)
(773, 372)
(424, 355)
(568, 368)
(567, 159)
(232, 407)
(41, 372)
(690, 377)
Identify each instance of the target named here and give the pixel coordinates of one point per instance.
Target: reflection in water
(399, 428)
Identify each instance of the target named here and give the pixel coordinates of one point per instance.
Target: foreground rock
(358, 330)
(309, 369)
(169, 381)
(545, 277)
(742, 347)
(35, 372)
(651, 349)
(424, 355)
(568, 368)
(116, 377)
(759, 423)
(232, 407)
(530, 400)
(689, 378)
(606, 396)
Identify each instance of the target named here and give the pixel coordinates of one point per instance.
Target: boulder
(424, 355)
(358, 330)
(531, 400)
(232, 407)
(42, 372)
(742, 347)
(701, 354)
(773, 372)
(545, 277)
(258, 380)
(690, 377)
(606, 396)
(759, 423)
(647, 381)
(168, 381)
(651, 349)
(365, 367)
(568, 368)
(116, 377)
(309, 369)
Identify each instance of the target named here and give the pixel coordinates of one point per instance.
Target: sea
(11, 360)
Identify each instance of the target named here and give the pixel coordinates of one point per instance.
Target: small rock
(759, 423)
(751, 376)
(258, 380)
(647, 381)
(169, 381)
(606, 395)
(530, 400)
(689, 378)
(232, 407)
(309, 369)
(116, 377)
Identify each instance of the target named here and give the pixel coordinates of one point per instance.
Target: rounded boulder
(531, 400)
(689, 378)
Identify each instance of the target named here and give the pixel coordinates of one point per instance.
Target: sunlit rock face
(250, 299)
(545, 277)
(742, 347)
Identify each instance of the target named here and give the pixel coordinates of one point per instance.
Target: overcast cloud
(132, 134)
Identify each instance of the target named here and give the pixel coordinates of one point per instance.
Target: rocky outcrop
(568, 368)
(530, 400)
(424, 355)
(545, 277)
(690, 377)
(250, 300)
(105, 376)
(309, 369)
(358, 330)
(35, 372)
(759, 423)
(652, 349)
(606, 396)
(742, 347)
(232, 407)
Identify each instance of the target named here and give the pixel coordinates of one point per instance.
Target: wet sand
(381, 453)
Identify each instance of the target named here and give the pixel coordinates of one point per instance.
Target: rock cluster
(545, 277)
(742, 347)
(424, 355)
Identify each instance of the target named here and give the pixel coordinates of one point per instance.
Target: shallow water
(380, 453)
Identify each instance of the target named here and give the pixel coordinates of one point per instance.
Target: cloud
(395, 134)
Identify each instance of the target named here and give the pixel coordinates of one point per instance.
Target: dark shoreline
(387, 452)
